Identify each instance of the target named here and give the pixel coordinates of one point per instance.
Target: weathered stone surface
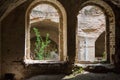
(13, 38)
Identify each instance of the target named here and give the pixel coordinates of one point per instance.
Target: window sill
(43, 62)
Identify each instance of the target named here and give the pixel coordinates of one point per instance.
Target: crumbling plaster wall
(13, 37)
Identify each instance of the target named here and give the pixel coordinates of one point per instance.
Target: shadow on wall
(100, 45)
(47, 26)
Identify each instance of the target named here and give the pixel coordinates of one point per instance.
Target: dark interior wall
(13, 41)
(100, 45)
(13, 35)
(47, 26)
(117, 37)
(0, 50)
(116, 57)
(13, 29)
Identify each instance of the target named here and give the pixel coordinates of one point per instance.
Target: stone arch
(12, 6)
(110, 25)
(62, 28)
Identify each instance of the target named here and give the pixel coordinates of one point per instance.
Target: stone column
(90, 48)
(86, 51)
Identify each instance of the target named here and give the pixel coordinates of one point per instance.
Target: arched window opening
(91, 24)
(45, 33)
(45, 19)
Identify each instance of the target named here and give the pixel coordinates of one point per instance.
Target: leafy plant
(41, 45)
(76, 70)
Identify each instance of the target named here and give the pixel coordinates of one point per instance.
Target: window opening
(45, 24)
(44, 33)
(91, 46)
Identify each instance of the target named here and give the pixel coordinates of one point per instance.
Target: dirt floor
(92, 72)
(82, 76)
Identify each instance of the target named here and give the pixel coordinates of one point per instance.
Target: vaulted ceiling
(7, 6)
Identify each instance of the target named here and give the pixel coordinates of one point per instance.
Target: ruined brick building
(80, 31)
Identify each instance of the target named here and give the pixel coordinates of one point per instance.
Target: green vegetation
(104, 55)
(41, 45)
(77, 70)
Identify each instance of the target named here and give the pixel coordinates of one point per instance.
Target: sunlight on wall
(91, 23)
(44, 11)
